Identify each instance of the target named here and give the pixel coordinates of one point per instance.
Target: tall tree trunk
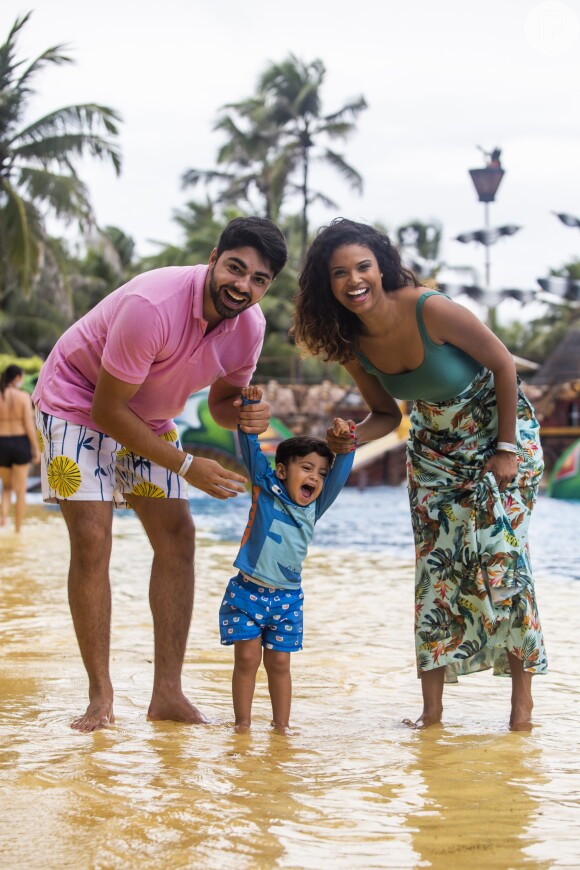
(305, 167)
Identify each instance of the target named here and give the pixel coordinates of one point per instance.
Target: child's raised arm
(254, 460)
(345, 431)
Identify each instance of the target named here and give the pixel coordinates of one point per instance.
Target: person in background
(18, 444)
(474, 455)
(263, 604)
(105, 402)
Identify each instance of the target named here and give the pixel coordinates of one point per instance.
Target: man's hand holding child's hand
(253, 419)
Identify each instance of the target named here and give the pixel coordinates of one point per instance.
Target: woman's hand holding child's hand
(341, 436)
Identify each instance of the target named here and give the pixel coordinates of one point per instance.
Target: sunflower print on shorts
(474, 589)
(84, 464)
(64, 476)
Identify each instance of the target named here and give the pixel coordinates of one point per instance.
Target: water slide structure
(201, 435)
(565, 477)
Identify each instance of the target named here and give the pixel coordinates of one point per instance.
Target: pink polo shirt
(151, 332)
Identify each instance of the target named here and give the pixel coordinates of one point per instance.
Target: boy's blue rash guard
(276, 538)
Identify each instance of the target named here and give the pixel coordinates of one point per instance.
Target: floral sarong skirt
(474, 590)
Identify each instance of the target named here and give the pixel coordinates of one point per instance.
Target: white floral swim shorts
(81, 464)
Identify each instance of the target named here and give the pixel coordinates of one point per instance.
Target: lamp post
(486, 181)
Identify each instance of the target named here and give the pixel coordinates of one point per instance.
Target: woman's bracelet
(185, 464)
(506, 447)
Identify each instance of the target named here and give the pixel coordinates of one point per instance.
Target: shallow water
(354, 788)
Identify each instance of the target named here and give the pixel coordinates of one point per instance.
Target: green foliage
(536, 339)
(201, 224)
(107, 263)
(271, 139)
(37, 174)
(568, 270)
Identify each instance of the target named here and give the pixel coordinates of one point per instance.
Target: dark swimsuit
(14, 450)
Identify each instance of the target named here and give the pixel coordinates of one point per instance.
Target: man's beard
(216, 294)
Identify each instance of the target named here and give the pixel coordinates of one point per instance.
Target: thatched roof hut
(563, 364)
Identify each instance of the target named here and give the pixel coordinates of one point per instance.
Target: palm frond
(353, 108)
(347, 171)
(82, 116)
(20, 247)
(67, 195)
(60, 149)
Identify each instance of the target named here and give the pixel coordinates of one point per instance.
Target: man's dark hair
(302, 445)
(259, 233)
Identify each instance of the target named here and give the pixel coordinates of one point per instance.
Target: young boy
(263, 604)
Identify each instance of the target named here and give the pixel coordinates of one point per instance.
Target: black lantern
(486, 182)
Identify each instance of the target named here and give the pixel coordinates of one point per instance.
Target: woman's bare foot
(522, 703)
(521, 716)
(521, 725)
(432, 683)
(175, 709)
(425, 720)
(99, 714)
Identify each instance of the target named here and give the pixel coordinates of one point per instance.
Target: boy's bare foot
(242, 727)
(285, 730)
(174, 709)
(99, 714)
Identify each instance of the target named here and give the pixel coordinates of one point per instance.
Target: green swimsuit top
(444, 373)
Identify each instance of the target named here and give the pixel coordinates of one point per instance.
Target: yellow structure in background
(367, 453)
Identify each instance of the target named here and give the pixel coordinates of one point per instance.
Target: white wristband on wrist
(185, 464)
(506, 447)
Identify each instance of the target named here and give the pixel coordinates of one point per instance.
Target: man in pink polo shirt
(104, 402)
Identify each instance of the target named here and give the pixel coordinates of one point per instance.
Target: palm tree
(271, 135)
(255, 162)
(291, 94)
(36, 162)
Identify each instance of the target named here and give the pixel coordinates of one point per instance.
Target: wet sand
(354, 789)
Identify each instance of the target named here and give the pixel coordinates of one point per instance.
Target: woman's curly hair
(321, 325)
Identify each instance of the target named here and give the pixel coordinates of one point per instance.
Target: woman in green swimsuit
(474, 459)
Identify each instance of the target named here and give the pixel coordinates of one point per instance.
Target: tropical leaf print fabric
(474, 589)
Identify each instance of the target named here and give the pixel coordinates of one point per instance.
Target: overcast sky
(440, 78)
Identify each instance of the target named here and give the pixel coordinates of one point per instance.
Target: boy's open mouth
(306, 490)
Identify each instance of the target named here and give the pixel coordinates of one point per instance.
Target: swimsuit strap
(419, 310)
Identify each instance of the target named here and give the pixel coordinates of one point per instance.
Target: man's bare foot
(99, 714)
(175, 709)
(425, 720)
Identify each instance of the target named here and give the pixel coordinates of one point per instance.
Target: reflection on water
(379, 520)
(354, 789)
